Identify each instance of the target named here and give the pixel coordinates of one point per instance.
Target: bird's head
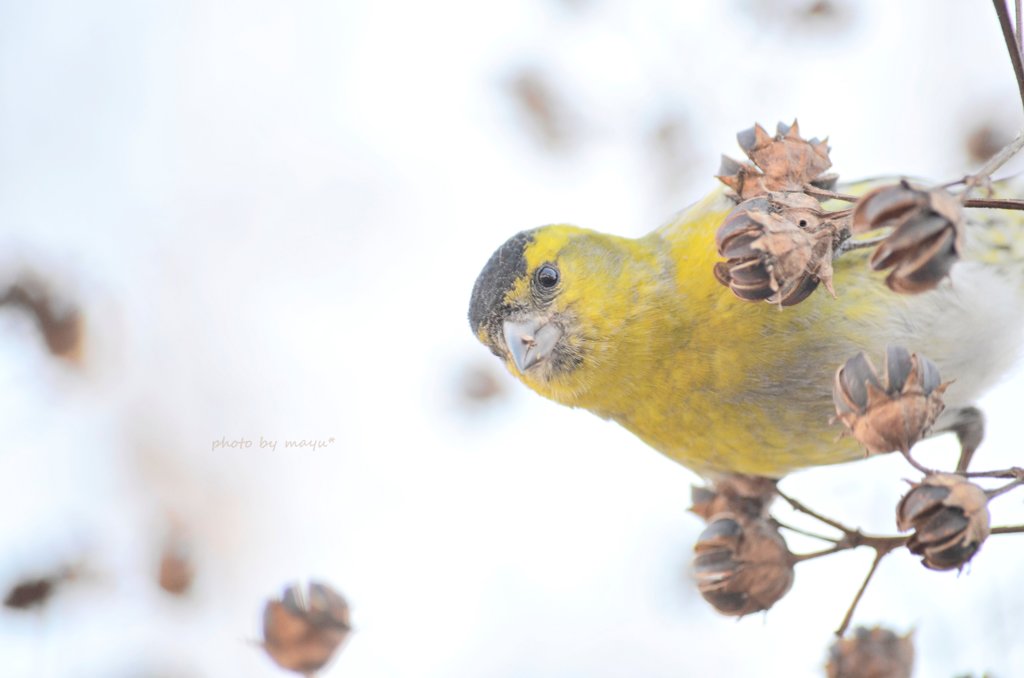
(550, 302)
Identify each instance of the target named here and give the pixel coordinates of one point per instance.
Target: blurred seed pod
(950, 519)
(302, 631)
(894, 413)
(742, 565)
(479, 383)
(926, 239)
(778, 248)
(176, 571)
(748, 496)
(871, 653)
(987, 139)
(36, 592)
(784, 162)
(59, 324)
(543, 110)
(31, 593)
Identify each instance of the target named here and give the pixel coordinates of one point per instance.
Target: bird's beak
(530, 341)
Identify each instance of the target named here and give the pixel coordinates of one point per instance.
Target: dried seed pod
(748, 496)
(890, 414)
(950, 519)
(784, 162)
(301, 633)
(778, 248)
(742, 565)
(926, 239)
(871, 653)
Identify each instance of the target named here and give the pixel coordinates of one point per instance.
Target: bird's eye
(547, 276)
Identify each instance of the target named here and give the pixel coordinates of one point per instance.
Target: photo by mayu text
(270, 443)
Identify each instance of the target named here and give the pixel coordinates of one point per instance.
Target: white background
(271, 215)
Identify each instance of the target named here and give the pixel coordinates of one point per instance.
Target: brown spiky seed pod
(742, 565)
(302, 630)
(926, 239)
(748, 496)
(785, 162)
(950, 519)
(894, 413)
(778, 248)
(871, 653)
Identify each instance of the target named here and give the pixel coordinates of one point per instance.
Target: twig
(851, 538)
(850, 244)
(993, 163)
(818, 192)
(879, 554)
(1011, 44)
(817, 554)
(817, 516)
(992, 494)
(1012, 39)
(806, 533)
(1006, 204)
(1016, 26)
(966, 455)
(1007, 529)
(1015, 472)
(913, 462)
(884, 545)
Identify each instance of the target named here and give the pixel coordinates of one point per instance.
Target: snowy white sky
(271, 215)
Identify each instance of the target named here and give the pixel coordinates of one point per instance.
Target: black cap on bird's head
(513, 309)
(487, 307)
(540, 305)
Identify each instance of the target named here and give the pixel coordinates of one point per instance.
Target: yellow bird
(639, 331)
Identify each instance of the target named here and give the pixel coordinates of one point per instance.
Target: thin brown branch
(913, 462)
(1014, 472)
(1016, 26)
(996, 204)
(993, 164)
(992, 494)
(806, 533)
(966, 455)
(818, 192)
(851, 538)
(818, 554)
(879, 554)
(884, 545)
(1012, 39)
(850, 244)
(1007, 529)
(817, 516)
(1011, 44)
